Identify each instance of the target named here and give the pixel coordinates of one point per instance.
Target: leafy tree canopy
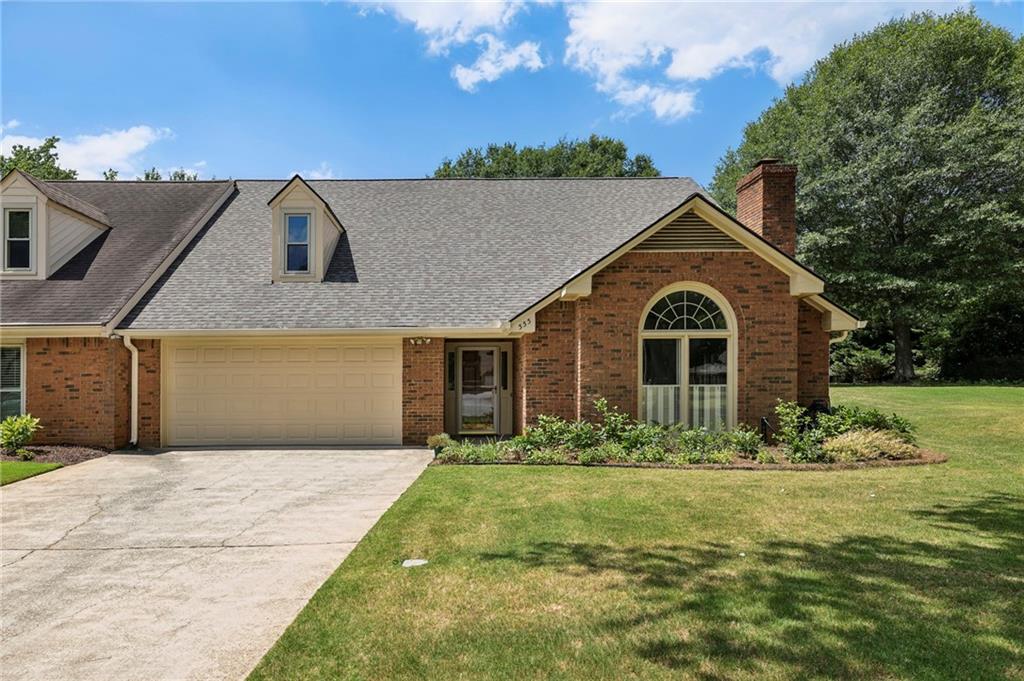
(179, 175)
(910, 146)
(593, 157)
(38, 161)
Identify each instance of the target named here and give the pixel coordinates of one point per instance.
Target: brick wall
(813, 357)
(149, 392)
(422, 390)
(766, 203)
(597, 338)
(545, 362)
(79, 389)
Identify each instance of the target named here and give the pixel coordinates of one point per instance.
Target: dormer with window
(305, 233)
(43, 226)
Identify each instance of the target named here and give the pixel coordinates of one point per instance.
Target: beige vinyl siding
(68, 235)
(323, 391)
(689, 232)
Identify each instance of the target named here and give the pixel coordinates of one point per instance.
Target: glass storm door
(478, 391)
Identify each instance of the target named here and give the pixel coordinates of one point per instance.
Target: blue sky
(389, 89)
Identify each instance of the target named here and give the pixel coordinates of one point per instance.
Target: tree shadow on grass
(865, 606)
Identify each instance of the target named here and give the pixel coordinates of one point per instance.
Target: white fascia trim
(171, 257)
(802, 281)
(496, 331)
(833, 317)
(51, 330)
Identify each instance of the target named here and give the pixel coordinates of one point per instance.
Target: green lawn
(599, 573)
(12, 471)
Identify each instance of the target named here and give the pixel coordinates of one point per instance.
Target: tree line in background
(910, 199)
(42, 162)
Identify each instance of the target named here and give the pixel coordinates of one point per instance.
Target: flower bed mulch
(62, 454)
(926, 457)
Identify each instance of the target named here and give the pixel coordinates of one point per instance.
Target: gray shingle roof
(148, 219)
(416, 253)
(58, 195)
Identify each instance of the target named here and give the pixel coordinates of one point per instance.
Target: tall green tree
(41, 161)
(592, 157)
(910, 145)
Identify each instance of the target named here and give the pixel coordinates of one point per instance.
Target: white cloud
(90, 155)
(322, 172)
(10, 125)
(497, 59)
(454, 23)
(451, 24)
(645, 54)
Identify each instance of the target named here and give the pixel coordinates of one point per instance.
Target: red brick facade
(813, 357)
(422, 390)
(149, 392)
(589, 348)
(79, 389)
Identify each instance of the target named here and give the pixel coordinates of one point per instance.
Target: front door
(478, 390)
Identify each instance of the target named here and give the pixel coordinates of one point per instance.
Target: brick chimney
(766, 202)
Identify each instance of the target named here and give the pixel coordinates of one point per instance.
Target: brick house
(377, 312)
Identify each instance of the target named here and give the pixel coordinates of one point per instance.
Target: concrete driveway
(180, 565)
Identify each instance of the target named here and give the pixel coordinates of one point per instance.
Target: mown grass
(597, 573)
(12, 471)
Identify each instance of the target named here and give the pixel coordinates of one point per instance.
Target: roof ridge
(462, 179)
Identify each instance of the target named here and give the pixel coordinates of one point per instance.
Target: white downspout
(134, 417)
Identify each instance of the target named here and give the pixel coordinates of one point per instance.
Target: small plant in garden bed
(16, 432)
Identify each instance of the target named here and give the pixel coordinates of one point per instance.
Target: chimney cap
(769, 161)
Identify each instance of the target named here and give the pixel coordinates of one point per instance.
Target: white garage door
(295, 392)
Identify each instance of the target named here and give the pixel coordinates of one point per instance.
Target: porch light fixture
(419, 340)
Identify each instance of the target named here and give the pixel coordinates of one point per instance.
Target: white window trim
(21, 378)
(682, 348)
(308, 243)
(32, 240)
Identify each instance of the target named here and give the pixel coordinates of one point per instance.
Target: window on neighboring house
(12, 392)
(17, 239)
(296, 243)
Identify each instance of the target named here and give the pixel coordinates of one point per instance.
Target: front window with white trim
(12, 384)
(296, 243)
(18, 246)
(686, 371)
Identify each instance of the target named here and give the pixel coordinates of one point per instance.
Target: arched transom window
(687, 372)
(685, 311)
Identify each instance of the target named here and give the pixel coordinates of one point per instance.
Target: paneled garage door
(295, 392)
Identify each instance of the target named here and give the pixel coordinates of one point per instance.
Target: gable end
(689, 232)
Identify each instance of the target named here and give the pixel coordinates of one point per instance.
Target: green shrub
(746, 442)
(439, 441)
(640, 435)
(547, 456)
(468, 452)
(604, 453)
(841, 419)
(614, 423)
(647, 454)
(867, 445)
(767, 456)
(800, 439)
(854, 363)
(16, 432)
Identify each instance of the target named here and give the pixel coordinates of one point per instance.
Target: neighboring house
(382, 311)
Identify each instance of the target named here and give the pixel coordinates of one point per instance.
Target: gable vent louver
(689, 232)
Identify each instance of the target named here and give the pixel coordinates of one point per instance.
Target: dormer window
(18, 242)
(297, 243)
